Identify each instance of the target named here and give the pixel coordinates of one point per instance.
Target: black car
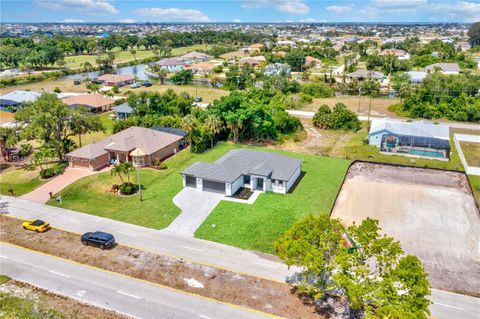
(147, 84)
(98, 239)
(198, 99)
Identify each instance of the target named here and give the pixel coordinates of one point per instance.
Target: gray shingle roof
(245, 162)
(446, 67)
(123, 108)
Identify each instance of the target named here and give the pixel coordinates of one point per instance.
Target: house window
(246, 179)
(280, 185)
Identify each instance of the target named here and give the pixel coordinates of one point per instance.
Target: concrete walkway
(41, 194)
(195, 206)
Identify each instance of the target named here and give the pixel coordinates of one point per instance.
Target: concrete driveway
(71, 175)
(195, 206)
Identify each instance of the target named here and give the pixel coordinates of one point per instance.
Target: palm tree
(87, 67)
(8, 137)
(214, 126)
(162, 74)
(127, 168)
(117, 169)
(134, 53)
(189, 123)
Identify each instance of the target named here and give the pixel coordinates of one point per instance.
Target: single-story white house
(415, 139)
(445, 68)
(171, 64)
(256, 170)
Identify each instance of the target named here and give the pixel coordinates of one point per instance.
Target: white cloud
(173, 14)
(340, 9)
(73, 21)
(95, 7)
(463, 11)
(128, 20)
(287, 6)
(400, 4)
(236, 20)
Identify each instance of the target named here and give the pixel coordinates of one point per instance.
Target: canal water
(138, 70)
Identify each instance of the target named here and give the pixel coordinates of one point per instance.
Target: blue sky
(240, 11)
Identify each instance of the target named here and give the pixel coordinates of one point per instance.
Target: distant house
(96, 103)
(200, 67)
(256, 170)
(365, 74)
(416, 139)
(123, 111)
(116, 79)
(417, 76)
(400, 54)
(286, 43)
(255, 47)
(445, 68)
(310, 61)
(171, 64)
(15, 99)
(195, 56)
(249, 61)
(151, 144)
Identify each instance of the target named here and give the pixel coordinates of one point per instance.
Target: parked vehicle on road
(98, 239)
(147, 84)
(135, 85)
(36, 225)
(198, 99)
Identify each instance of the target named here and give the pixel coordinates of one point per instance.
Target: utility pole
(359, 97)
(139, 184)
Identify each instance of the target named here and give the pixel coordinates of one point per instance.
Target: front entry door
(260, 183)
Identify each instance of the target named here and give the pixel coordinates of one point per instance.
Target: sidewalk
(41, 194)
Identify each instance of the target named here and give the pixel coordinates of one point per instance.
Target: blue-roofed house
(123, 111)
(13, 100)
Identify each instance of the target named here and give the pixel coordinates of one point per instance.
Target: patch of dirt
(248, 291)
(431, 212)
(69, 307)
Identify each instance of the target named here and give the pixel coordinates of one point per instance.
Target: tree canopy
(369, 271)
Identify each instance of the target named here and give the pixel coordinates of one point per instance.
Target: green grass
(91, 194)
(475, 183)
(471, 150)
(4, 279)
(75, 61)
(16, 307)
(22, 181)
(258, 225)
(353, 148)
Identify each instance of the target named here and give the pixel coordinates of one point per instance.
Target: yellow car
(36, 225)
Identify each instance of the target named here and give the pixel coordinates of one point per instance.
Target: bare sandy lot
(432, 213)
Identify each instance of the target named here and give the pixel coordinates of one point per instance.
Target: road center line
(60, 274)
(205, 317)
(191, 248)
(448, 306)
(127, 294)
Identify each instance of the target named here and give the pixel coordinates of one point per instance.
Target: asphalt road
(447, 305)
(131, 297)
(308, 114)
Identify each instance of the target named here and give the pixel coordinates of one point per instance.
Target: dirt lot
(260, 294)
(42, 300)
(432, 213)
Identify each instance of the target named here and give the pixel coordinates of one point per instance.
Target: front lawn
(256, 226)
(19, 179)
(91, 194)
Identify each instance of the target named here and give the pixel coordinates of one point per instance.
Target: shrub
(115, 89)
(317, 90)
(47, 173)
(25, 150)
(340, 119)
(127, 188)
(57, 90)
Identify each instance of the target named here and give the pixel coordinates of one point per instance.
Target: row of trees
(455, 97)
(254, 115)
